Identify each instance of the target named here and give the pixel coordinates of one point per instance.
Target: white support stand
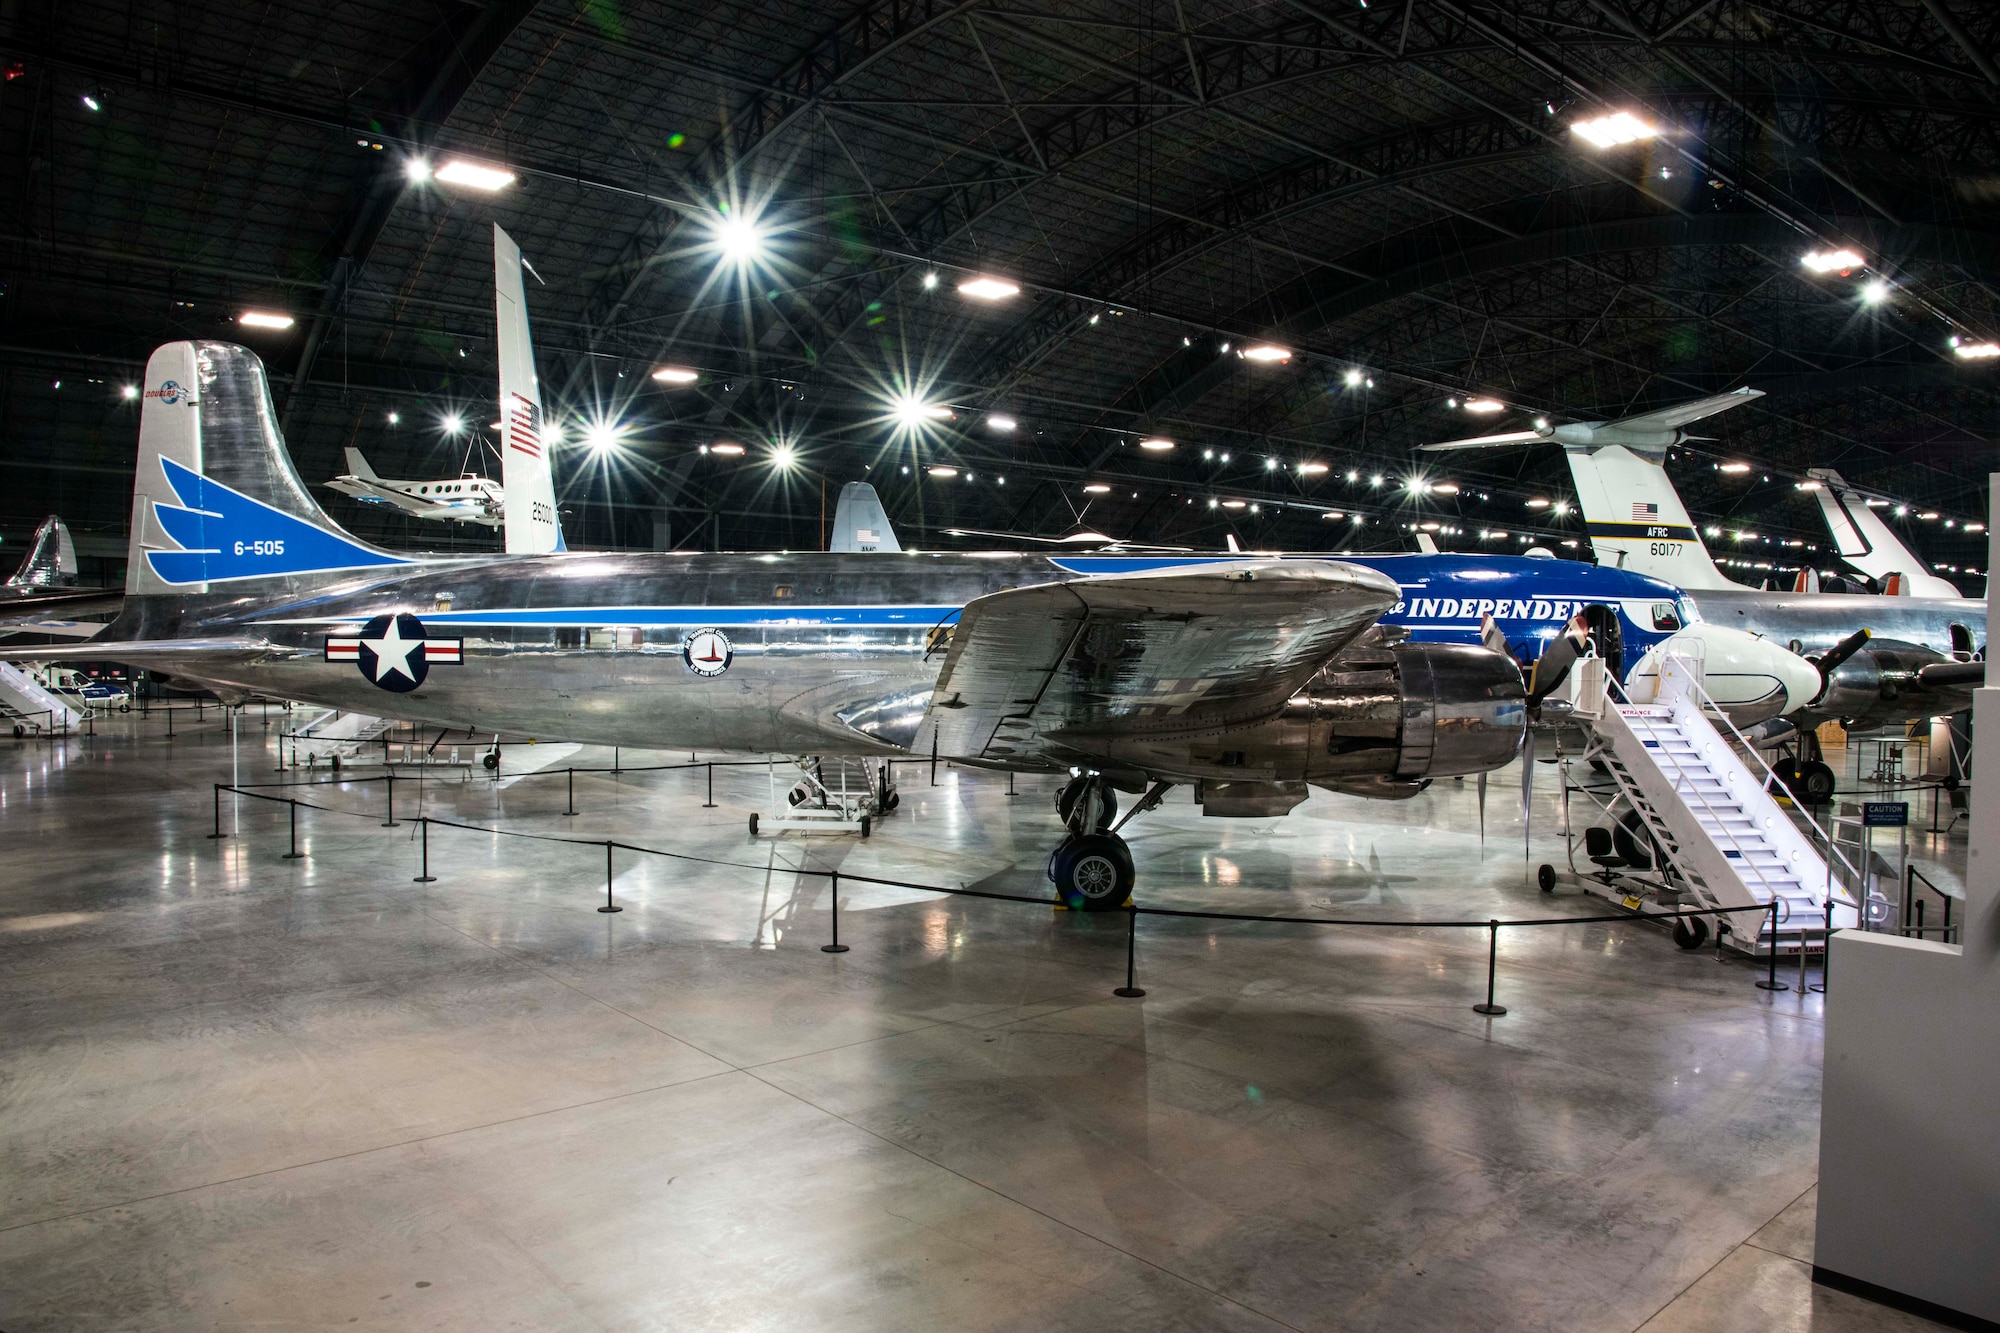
(825, 810)
(1909, 1190)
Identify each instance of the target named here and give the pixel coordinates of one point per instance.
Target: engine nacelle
(1380, 722)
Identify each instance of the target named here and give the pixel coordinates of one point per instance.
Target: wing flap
(1052, 671)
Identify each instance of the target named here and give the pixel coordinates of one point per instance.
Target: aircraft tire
(753, 823)
(894, 799)
(1546, 878)
(124, 708)
(867, 825)
(491, 761)
(1816, 783)
(1632, 842)
(1690, 932)
(19, 730)
(1093, 872)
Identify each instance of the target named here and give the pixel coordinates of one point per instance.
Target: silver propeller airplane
(1251, 677)
(466, 499)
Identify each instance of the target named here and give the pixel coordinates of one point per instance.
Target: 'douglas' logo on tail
(224, 534)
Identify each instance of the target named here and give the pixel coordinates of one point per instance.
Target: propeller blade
(1554, 665)
(1490, 635)
(1483, 441)
(1835, 657)
(1482, 813)
(1527, 789)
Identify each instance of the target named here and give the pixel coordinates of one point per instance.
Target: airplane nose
(1749, 678)
(1800, 677)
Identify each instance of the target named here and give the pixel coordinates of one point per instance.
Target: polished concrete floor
(243, 1091)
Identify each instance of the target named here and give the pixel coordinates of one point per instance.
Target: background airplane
(466, 499)
(1866, 543)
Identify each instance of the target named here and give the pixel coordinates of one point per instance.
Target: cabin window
(1665, 618)
(782, 592)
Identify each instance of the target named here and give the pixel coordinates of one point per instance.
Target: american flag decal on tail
(1644, 511)
(524, 427)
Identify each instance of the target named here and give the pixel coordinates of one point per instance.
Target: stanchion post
(709, 804)
(295, 854)
(1491, 1009)
(609, 906)
(934, 758)
(390, 822)
(218, 814)
(1130, 990)
(1771, 982)
(425, 877)
(572, 792)
(836, 946)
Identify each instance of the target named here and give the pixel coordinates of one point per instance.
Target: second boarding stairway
(1727, 841)
(33, 710)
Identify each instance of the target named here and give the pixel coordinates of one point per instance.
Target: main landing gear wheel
(1690, 932)
(1093, 871)
(1633, 842)
(753, 823)
(491, 761)
(1816, 783)
(1546, 878)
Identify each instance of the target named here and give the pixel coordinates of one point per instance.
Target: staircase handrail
(1709, 706)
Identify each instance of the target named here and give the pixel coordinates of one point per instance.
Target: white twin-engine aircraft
(531, 524)
(466, 499)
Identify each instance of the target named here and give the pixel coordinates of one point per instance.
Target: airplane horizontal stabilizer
(1681, 414)
(1484, 441)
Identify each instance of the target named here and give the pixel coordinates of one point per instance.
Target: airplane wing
(54, 629)
(1060, 671)
(1680, 414)
(151, 654)
(1484, 441)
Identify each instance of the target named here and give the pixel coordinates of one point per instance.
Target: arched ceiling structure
(1390, 190)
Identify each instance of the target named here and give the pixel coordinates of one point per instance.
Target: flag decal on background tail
(1644, 511)
(523, 427)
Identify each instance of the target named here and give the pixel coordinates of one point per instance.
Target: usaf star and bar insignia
(394, 652)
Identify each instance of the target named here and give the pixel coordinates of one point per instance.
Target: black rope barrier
(1133, 911)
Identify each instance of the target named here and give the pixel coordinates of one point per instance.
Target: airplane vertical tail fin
(860, 523)
(1636, 519)
(51, 558)
(357, 466)
(1863, 540)
(532, 527)
(216, 498)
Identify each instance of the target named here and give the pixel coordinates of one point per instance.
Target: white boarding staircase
(1726, 840)
(337, 734)
(32, 709)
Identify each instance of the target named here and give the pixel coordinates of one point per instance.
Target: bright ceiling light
(1538, 503)
(1445, 488)
(940, 470)
(930, 281)
(1333, 513)
(1312, 469)
(1876, 504)
(1975, 527)
(416, 170)
(1352, 379)
(129, 391)
(474, 175)
(1430, 527)
(603, 436)
(1232, 504)
(1928, 514)
(1733, 467)
(266, 319)
(727, 448)
(1829, 261)
(989, 289)
(1874, 292)
(1157, 444)
(1267, 352)
(675, 375)
(1561, 507)
(91, 103)
(1485, 406)
(1976, 351)
(395, 417)
(739, 238)
(451, 423)
(782, 457)
(1806, 485)
(553, 434)
(1612, 130)
(996, 421)
(1096, 488)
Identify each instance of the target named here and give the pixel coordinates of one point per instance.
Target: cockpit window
(1666, 617)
